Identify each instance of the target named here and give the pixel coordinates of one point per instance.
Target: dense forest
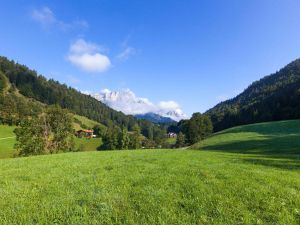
(274, 97)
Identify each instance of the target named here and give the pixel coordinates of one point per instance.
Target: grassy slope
(7, 141)
(216, 186)
(280, 138)
(87, 122)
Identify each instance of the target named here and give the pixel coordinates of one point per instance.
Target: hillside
(281, 138)
(274, 97)
(33, 86)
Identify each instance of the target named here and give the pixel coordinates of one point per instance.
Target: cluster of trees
(193, 130)
(274, 97)
(48, 133)
(120, 139)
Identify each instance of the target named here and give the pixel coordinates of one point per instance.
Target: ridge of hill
(50, 92)
(272, 98)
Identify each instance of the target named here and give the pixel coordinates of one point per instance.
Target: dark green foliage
(110, 139)
(135, 141)
(50, 132)
(3, 82)
(117, 139)
(99, 130)
(274, 97)
(180, 140)
(123, 139)
(197, 128)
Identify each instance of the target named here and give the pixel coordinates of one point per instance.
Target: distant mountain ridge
(127, 102)
(155, 118)
(274, 97)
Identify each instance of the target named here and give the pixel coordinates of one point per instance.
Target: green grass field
(244, 175)
(7, 141)
(87, 144)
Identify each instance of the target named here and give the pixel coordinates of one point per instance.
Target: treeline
(193, 130)
(274, 97)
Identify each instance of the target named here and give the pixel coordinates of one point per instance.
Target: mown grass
(147, 187)
(256, 181)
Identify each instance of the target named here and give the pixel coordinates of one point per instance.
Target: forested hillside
(274, 97)
(25, 94)
(34, 86)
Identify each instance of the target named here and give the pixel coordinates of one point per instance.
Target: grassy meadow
(244, 175)
(7, 141)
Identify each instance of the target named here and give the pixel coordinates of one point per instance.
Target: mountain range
(127, 102)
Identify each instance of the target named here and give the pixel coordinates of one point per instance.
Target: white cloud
(46, 17)
(168, 105)
(126, 50)
(127, 102)
(87, 56)
(126, 53)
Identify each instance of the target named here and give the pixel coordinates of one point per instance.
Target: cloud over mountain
(127, 102)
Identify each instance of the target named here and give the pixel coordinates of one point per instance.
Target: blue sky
(195, 53)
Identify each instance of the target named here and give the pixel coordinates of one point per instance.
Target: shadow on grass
(281, 163)
(277, 151)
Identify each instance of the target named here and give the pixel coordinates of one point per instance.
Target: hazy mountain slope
(274, 97)
(155, 118)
